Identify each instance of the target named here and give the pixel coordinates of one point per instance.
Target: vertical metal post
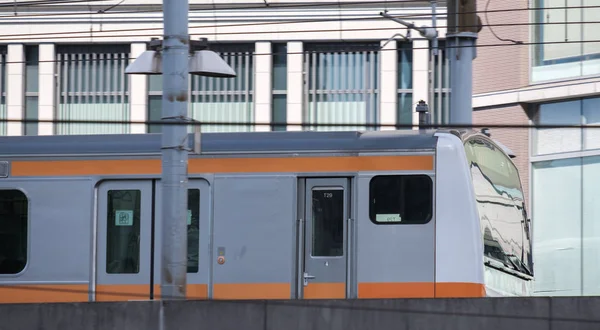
(463, 26)
(174, 157)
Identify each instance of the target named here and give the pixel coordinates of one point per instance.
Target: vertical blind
(342, 85)
(92, 86)
(226, 99)
(3, 110)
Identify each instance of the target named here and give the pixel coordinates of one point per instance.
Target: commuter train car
(271, 215)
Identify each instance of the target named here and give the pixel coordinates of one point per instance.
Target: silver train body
(273, 215)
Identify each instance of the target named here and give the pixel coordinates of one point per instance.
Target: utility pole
(175, 68)
(463, 27)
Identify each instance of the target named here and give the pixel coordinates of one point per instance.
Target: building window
(31, 88)
(13, 231)
(559, 140)
(93, 86)
(553, 58)
(401, 199)
(3, 109)
(566, 234)
(440, 106)
(342, 85)
(279, 101)
(405, 83)
(228, 100)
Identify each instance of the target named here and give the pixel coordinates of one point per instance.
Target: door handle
(307, 277)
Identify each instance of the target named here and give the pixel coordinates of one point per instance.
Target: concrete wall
(438, 314)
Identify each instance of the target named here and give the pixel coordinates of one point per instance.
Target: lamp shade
(210, 64)
(149, 62)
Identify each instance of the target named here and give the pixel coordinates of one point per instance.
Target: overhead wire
(36, 36)
(336, 50)
(193, 122)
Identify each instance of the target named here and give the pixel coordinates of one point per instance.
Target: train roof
(290, 141)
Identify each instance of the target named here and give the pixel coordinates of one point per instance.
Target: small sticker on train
(388, 218)
(189, 217)
(123, 218)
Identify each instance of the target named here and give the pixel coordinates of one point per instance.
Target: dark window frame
(27, 231)
(431, 188)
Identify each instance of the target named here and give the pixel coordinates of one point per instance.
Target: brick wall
(515, 139)
(501, 67)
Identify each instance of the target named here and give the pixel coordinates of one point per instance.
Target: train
(434, 213)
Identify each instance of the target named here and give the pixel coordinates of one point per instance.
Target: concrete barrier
(403, 314)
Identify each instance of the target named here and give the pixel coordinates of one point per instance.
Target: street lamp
(174, 178)
(202, 62)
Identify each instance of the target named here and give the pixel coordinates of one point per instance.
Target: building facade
(295, 64)
(552, 78)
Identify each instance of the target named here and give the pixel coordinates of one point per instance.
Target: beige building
(296, 63)
(548, 81)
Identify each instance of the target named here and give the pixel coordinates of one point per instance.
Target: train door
(197, 240)
(123, 234)
(324, 270)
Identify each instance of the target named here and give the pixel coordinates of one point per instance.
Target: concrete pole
(174, 157)
(461, 36)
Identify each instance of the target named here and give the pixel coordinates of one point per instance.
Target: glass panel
(401, 199)
(405, 65)
(13, 231)
(279, 111)
(591, 116)
(342, 85)
(405, 109)
(154, 112)
(280, 67)
(123, 232)
(500, 203)
(591, 226)
(328, 223)
(554, 58)
(557, 227)
(32, 68)
(555, 140)
(31, 113)
(155, 83)
(226, 100)
(193, 230)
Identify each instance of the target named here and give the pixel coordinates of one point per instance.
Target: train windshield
(501, 205)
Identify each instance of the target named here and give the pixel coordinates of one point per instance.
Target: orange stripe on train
(224, 165)
(79, 292)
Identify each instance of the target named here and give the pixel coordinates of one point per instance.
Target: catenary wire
(336, 50)
(192, 122)
(56, 35)
(217, 7)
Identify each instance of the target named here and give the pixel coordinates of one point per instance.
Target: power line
(342, 50)
(43, 2)
(88, 34)
(19, 36)
(193, 122)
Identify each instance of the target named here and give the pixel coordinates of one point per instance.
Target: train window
(401, 199)
(13, 231)
(193, 229)
(327, 223)
(123, 232)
